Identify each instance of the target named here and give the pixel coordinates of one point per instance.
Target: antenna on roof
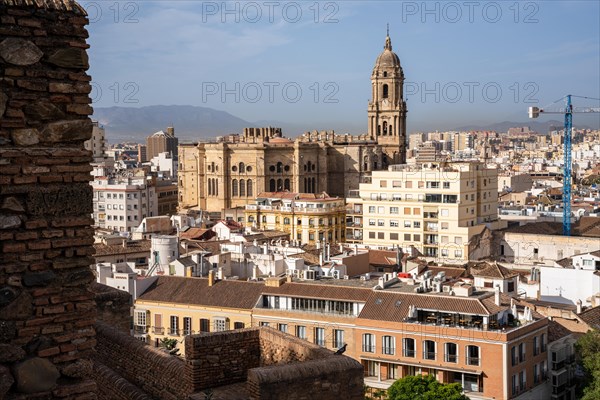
(388, 29)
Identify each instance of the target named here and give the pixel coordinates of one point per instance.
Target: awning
(422, 365)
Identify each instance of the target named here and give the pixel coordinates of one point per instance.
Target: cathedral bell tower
(387, 108)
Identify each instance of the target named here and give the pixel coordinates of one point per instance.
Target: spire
(388, 41)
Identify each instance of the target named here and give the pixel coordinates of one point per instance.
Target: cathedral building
(233, 170)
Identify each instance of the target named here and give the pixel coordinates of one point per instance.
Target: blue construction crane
(568, 112)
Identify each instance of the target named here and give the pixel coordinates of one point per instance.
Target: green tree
(588, 350)
(424, 388)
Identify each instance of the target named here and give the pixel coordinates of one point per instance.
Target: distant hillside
(190, 122)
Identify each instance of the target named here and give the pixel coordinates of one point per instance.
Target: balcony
(367, 348)
(409, 353)
(158, 330)
(429, 355)
(140, 330)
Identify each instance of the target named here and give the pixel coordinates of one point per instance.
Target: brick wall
(275, 365)
(46, 311)
(221, 358)
(113, 306)
(333, 378)
(127, 363)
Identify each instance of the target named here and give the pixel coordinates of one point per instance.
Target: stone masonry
(47, 312)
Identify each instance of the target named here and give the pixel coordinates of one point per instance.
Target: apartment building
(438, 208)
(307, 217)
(120, 204)
(97, 143)
(493, 346)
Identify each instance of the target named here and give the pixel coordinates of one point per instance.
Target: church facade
(234, 170)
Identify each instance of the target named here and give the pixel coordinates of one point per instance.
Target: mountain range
(193, 123)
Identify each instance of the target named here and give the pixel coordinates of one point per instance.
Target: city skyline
(310, 64)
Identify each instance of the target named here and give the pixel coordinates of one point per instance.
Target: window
(140, 318)
(372, 209)
(187, 326)
(429, 350)
(407, 237)
(406, 210)
(338, 338)
(457, 253)
(407, 224)
(522, 380)
(380, 222)
(444, 225)
(174, 327)
(371, 222)
(417, 224)
(394, 210)
(521, 352)
(536, 345)
(320, 336)
(382, 184)
(514, 385)
(371, 235)
(444, 212)
(238, 325)
(446, 185)
(451, 352)
(286, 221)
(220, 324)
(394, 223)
(473, 355)
(282, 327)
(368, 343)
(408, 347)
(389, 345)
(381, 235)
(396, 184)
(301, 331)
(393, 236)
(381, 210)
(543, 342)
(514, 359)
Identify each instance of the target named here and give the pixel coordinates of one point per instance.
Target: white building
(124, 276)
(572, 279)
(120, 204)
(164, 163)
(97, 143)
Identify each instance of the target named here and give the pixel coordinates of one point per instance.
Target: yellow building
(174, 307)
(308, 218)
(438, 208)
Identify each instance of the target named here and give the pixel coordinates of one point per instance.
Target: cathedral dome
(387, 59)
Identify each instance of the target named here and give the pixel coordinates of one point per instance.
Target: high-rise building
(439, 209)
(161, 142)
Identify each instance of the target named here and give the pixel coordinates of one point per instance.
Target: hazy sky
(306, 62)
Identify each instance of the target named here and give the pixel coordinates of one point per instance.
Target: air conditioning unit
(346, 277)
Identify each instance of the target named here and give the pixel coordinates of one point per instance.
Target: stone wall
(130, 366)
(46, 310)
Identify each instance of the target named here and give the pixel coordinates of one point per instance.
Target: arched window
(272, 185)
(249, 188)
(385, 91)
(264, 219)
(242, 168)
(378, 130)
(242, 188)
(391, 130)
(306, 186)
(234, 188)
(279, 167)
(385, 74)
(216, 186)
(385, 128)
(314, 186)
(286, 184)
(279, 185)
(286, 221)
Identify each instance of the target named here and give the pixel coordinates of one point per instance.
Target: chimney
(211, 277)
(255, 272)
(579, 308)
(497, 295)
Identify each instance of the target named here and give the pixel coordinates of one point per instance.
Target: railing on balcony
(368, 348)
(158, 330)
(140, 330)
(389, 350)
(409, 352)
(429, 355)
(473, 360)
(451, 358)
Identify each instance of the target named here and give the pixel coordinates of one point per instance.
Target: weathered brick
(13, 247)
(49, 352)
(40, 245)
(36, 223)
(26, 235)
(21, 180)
(57, 309)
